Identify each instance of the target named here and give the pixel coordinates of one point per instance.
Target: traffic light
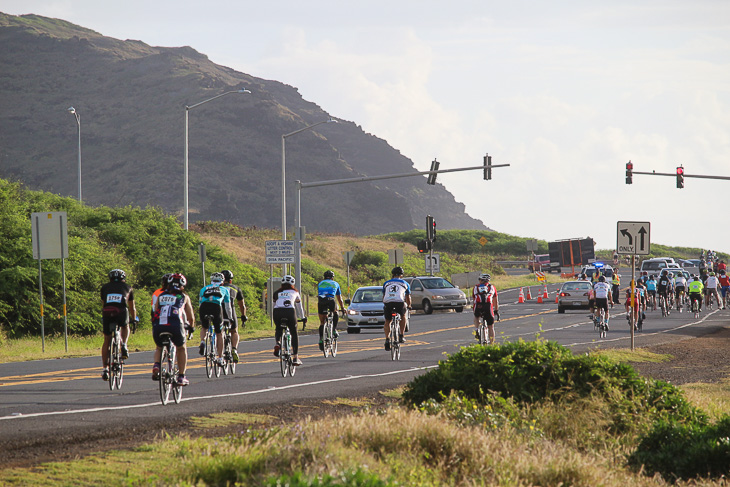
(424, 246)
(680, 177)
(430, 228)
(487, 167)
(629, 172)
(434, 167)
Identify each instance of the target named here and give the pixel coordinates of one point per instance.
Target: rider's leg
(105, 350)
(182, 358)
(402, 324)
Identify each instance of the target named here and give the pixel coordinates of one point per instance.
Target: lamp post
(283, 175)
(78, 122)
(185, 171)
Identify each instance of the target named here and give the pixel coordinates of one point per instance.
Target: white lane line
(216, 396)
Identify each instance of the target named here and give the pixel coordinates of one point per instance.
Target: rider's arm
(132, 309)
(299, 308)
(189, 311)
(408, 300)
(496, 302)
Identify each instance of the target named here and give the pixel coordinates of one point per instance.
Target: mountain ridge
(131, 98)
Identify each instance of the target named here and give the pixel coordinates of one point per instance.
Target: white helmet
(484, 277)
(288, 280)
(216, 277)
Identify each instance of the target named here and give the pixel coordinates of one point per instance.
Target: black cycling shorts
(176, 332)
(215, 311)
(485, 310)
(112, 316)
(602, 303)
(325, 304)
(390, 308)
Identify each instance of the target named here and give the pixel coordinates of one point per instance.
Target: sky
(566, 92)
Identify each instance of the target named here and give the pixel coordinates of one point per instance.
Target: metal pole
(63, 274)
(298, 235)
(283, 195)
(78, 121)
(40, 285)
(633, 298)
(185, 171)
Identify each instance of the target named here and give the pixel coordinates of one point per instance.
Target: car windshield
(437, 283)
(368, 296)
(577, 286)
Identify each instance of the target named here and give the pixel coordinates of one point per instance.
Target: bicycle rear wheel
(166, 375)
(292, 367)
(333, 346)
(209, 355)
(176, 388)
(115, 363)
(229, 356)
(482, 333)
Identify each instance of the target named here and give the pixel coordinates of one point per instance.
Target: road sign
(633, 238)
(395, 256)
(531, 244)
(540, 275)
(483, 241)
(49, 235)
(280, 252)
(433, 263)
(348, 255)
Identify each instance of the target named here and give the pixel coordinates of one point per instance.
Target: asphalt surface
(66, 395)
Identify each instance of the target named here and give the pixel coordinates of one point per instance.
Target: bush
(685, 451)
(533, 371)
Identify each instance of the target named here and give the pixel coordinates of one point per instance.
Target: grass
(713, 398)
(626, 355)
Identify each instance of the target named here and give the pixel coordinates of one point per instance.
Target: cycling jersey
(680, 281)
(395, 290)
(215, 293)
(651, 285)
(484, 293)
(328, 289)
(696, 287)
(116, 294)
(711, 282)
(602, 290)
(724, 281)
(663, 284)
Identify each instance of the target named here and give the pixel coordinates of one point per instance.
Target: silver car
(574, 295)
(365, 310)
(429, 293)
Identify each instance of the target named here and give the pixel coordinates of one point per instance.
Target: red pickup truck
(541, 263)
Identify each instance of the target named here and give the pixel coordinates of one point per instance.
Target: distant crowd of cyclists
(668, 290)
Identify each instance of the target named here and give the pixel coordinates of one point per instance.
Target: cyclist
(663, 287)
(236, 295)
(160, 290)
(680, 284)
(328, 291)
(288, 304)
(696, 290)
(396, 298)
(724, 281)
(213, 299)
(651, 291)
(711, 290)
(642, 297)
(486, 305)
(602, 292)
(173, 311)
(638, 320)
(670, 289)
(117, 298)
(722, 266)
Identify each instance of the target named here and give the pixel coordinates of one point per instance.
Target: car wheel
(427, 308)
(561, 309)
(353, 330)
(459, 309)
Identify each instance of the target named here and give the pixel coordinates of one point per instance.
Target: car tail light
(563, 294)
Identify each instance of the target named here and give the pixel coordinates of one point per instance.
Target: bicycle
(680, 301)
(696, 306)
(600, 322)
(169, 369)
(230, 365)
(663, 305)
(393, 337)
(211, 364)
(116, 362)
(329, 338)
(285, 352)
(482, 331)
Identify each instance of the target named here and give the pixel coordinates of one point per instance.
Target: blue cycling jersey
(215, 293)
(328, 289)
(651, 285)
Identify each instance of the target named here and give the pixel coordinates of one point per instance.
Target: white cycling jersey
(711, 282)
(602, 290)
(680, 281)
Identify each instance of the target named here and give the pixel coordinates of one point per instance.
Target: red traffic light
(680, 177)
(680, 171)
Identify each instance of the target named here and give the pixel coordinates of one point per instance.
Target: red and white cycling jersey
(484, 293)
(724, 280)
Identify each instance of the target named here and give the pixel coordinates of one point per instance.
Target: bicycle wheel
(292, 367)
(326, 338)
(166, 375)
(111, 361)
(333, 346)
(482, 333)
(228, 348)
(209, 355)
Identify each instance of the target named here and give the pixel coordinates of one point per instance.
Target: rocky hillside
(131, 98)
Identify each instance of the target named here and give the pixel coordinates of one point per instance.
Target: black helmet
(328, 274)
(397, 271)
(117, 275)
(601, 279)
(227, 275)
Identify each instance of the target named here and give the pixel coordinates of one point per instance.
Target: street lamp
(78, 122)
(283, 174)
(185, 172)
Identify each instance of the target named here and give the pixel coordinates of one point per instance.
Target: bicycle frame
(169, 371)
(116, 363)
(285, 352)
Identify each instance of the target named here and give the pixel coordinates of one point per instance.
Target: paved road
(64, 395)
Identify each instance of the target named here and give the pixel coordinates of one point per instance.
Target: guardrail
(512, 262)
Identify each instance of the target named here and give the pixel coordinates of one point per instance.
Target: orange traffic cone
(521, 299)
(528, 296)
(539, 299)
(544, 292)
(556, 297)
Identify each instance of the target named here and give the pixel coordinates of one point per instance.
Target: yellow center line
(305, 352)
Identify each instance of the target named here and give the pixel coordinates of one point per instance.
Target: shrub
(685, 451)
